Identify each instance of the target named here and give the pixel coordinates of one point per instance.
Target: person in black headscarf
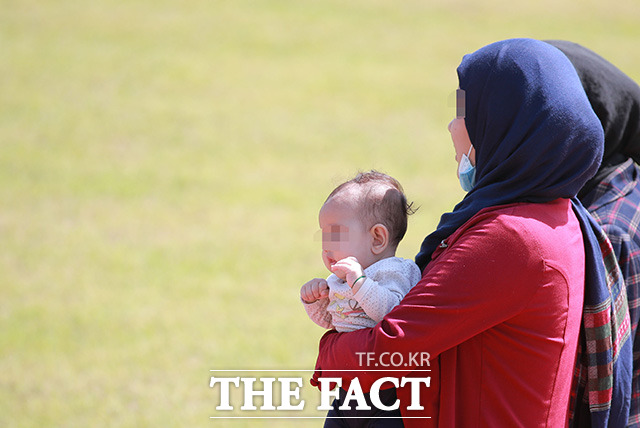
(613, 194)
(499, 307)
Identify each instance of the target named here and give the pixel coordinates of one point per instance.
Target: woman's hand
(314, 290)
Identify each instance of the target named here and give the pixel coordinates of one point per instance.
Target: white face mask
(466, 172)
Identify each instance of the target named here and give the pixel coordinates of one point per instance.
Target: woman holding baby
(519, 290)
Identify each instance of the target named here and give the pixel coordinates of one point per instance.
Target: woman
(612, 196)
(499, 306)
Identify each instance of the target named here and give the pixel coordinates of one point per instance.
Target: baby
(363, 220)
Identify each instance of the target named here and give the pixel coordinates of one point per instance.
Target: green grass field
(162, 164)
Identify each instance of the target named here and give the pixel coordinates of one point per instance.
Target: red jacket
(498, 309)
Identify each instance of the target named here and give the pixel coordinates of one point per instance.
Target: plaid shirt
(615, 204)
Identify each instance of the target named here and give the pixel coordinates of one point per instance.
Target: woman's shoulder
(544, 211)
(526, 216)
(527, 243)
(518, 225)
(549, 230)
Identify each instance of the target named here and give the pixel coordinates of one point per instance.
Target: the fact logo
(289, 392)
(282, 394)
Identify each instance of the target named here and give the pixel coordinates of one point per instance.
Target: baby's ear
(380, 235)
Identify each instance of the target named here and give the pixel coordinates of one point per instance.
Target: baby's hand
(348, 269)
(314, 290)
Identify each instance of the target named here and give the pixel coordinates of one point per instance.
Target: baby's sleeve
(387, 286)
(318, 313)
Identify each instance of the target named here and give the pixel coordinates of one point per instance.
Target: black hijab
(615, 98)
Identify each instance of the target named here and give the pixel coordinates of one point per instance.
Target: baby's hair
(382, 200)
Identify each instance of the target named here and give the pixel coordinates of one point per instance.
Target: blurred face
(343, 234)
(461, 142)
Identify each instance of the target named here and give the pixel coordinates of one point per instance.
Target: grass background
(162, 164)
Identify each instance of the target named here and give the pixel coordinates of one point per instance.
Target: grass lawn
(162, 164)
